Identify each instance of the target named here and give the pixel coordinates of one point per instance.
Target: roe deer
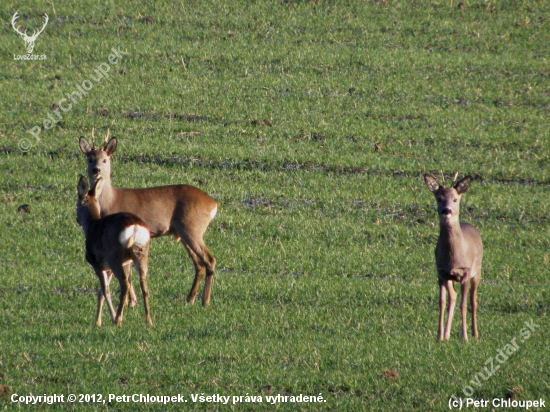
(181, 210)
(111, 242)
(458, 255)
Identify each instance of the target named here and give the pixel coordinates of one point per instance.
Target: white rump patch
(213, 212)
(140, 235)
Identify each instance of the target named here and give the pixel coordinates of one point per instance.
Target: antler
(93, 137)
(15, 17)
(455, 176)
(107, 135)
(35, 34)
(442, 177)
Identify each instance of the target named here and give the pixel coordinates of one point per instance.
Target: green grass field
(311, 123)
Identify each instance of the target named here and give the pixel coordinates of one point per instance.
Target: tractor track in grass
(285, 165)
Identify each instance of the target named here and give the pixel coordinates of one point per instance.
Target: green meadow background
(311, 123)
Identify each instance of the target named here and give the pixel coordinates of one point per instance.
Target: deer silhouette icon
(29, 40)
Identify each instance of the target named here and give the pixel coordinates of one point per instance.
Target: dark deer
(112, 242)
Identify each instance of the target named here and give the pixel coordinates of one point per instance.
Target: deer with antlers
(458, 254)
(180, 210)
(29, 40)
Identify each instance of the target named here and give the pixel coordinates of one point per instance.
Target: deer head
(99, 160)
(448, 198)
(87, 207)
(29, 40)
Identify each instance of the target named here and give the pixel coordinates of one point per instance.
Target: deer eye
(104, 160)
(455, 200)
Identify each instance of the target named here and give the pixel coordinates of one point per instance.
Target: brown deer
(111, 242)
(458, 255)
(180, 210)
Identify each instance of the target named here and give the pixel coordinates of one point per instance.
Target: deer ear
(463, 185)
(82, 187)
(84, 145)
(110, 146)
(95, 191)
(431, 182)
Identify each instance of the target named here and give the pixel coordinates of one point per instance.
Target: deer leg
(124, 286)
(199, 271)
(145, 293)
(140, 261)
(107, 293)
(206, 262)
(100, 299)
(450, 311)
(442, 304)
(104, 293)
(132, 301)
(464, 308)
(473, 304)
(210, 263)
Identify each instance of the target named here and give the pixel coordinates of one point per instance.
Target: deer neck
(86, 227)
(89, 218)
(106, 198)
(451, 239)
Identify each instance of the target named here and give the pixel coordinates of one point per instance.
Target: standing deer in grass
(458, 255)
(180, 210)
(111, 242)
